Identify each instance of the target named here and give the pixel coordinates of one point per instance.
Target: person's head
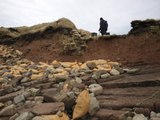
(101, 18)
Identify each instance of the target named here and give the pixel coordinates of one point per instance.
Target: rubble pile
(78, 42)
(59, 90)
(148, 25)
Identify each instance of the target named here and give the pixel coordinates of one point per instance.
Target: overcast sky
(84, 13)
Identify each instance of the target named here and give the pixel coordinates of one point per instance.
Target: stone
(8, 89)
(94, 105)
(139, 117)
(78, 80)
(86, 77)
(1, 105)
(49, 94)
(96, 89)
(48, 108)
(144, 111)
(19, 99)
(114, 72)
(25, 79)
(152, 114)
(91, 65)
(8, 111)
(132, 71)
(39, 118)
(71, 94)
(34, 91)
(39, 99)
(104, 76)
(25, 116)
(14, 116)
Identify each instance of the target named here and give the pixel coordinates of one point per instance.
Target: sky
(85, 14)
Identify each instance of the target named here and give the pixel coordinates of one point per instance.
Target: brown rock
(48, 108)
(144, 111)
(8, 111)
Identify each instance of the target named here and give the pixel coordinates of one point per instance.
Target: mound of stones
(149, 25)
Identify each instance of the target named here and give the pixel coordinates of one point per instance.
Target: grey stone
(132, 71)
(105, 75)
(19, 99)
(8, 111)
(1, 105)
(25, 116)
(25, 79)
(94, 105)
(71, 94)
(114, 72)
(39, 99)
(96, 89)
(34, 91)
(78, 80)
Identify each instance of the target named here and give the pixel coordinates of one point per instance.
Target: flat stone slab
(105, 114)
(48, 108)
(134, 81)
(131, 91)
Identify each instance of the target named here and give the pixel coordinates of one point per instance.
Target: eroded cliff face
(61, 40)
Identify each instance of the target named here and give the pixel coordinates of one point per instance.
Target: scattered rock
(25, 116)
(94, 105)
(96, 89)
(8, 111)
(114, 72)
(19, 99)
(139, 117)
(48, 108)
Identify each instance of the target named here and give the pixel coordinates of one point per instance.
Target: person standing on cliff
(103, 26)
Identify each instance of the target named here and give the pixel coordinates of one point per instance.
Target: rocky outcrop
(149, 25)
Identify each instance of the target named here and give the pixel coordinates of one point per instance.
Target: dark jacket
(103, 26)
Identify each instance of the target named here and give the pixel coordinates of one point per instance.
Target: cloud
(84, 13)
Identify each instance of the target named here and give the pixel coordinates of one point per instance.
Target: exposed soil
(131, 49)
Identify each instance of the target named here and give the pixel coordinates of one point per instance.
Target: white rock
(114, 72)
(96, 89)
(152, 114)
(105, 76)
(19, 99)
(139, 117)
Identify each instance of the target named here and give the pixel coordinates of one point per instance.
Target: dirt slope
(139, 49)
